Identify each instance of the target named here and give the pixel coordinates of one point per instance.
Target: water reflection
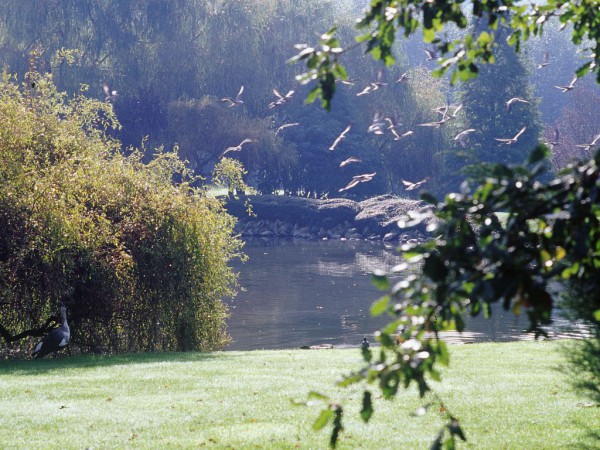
(297, 293)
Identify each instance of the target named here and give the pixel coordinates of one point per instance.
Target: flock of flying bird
(380, 124)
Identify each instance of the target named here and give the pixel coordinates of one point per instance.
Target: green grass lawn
(511, 396)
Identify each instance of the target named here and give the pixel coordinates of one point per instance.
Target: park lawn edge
(506, 395)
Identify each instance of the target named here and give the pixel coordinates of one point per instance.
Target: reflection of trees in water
(363, 263)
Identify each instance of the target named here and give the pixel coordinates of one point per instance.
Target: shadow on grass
(36, 367)
(583, 371)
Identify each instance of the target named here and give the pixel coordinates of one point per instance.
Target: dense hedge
(141, 261)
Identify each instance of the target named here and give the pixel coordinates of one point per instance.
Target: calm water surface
(297, 292)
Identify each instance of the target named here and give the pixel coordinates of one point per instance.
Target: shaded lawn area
(509, 395)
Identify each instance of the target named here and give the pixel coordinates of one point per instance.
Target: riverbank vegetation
(138, 255)
(511, 395)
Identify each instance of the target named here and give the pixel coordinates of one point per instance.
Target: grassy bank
(506, 396)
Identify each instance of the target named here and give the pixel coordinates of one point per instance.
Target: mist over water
(297, 292)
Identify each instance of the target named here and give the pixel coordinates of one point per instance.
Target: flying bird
(569, 86)
(234, 101)
(286, 125)
(591, 144)
(110, 94)
(358, 179)
(398, 136)
(510, 141)
(56, 340)
(545, 61)
(510, 102)
(379, 83)
(365, 91)
(431, 54)
(435, 124)
(556, 138)
(410, 185)
(350, 160)
(403, 78)
(340, 138)
(462, 137)
(377, 125)
(237, 148)
(281, 99)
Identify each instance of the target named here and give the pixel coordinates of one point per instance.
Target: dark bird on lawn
(237, 148)
(410, 185)
(462, 137)
(365, 343)
(234, 101)
(509, 141)
(281, 99)
(56, 340)
(350, 160)
(510, 102)
(340, 138)
(569, 86)
(110, 95)
(286, 125)
(358, 179)
(591, 144)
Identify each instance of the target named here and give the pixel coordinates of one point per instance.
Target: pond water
(297, 292)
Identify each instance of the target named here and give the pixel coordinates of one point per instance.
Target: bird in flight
(569, 86)
(281, 99)
(510, 102)
(398, 136)
(365, 91)
(286, 125)
(340, 138)
(510, 141)
(591, 144)
(431, 54)
(403, 78)
(234, 101)
(410, 185)
(544, 62)
(358, 179)
(110, 95)
(462, 137)
(556, 138)
(237, 148)
(350, 160)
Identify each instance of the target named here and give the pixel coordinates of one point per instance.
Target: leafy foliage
(384, 19)
(141, 262)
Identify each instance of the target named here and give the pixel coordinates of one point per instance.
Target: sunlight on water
(298, 293)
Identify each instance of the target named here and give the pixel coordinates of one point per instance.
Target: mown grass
(511, 396)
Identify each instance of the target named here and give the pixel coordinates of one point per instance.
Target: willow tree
(140, 262)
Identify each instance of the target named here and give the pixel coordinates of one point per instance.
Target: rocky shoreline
(304, 218)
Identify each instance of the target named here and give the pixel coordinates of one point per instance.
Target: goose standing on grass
(365, 343)
(56, 340)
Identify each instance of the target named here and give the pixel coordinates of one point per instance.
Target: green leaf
(597, 315)
(323, 419)
(538, 154)
(380, 281)
(317, 395)
(367, 406)
(380, 306)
